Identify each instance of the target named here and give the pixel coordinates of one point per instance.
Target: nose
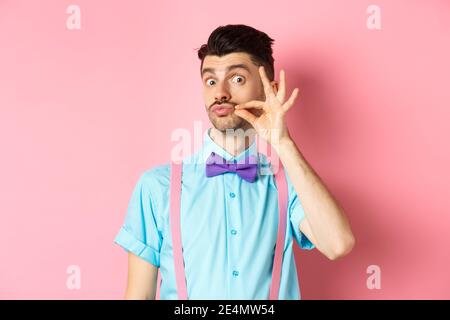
(222, 93)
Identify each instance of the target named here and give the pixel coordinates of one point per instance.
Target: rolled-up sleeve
(296, 215)
(139, 233)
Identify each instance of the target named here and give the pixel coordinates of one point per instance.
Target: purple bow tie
(216, 165)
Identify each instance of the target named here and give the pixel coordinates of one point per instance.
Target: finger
(246, 106)
(266, 83)
(281, 94)
(253, 103)
(291, 100)
(246, 115)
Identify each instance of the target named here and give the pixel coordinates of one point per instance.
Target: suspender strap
(158, 285)
(280, 180)
(175, 227)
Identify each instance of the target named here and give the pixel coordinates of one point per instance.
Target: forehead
(219, 65)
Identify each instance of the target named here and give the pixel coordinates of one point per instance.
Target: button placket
(233, 219)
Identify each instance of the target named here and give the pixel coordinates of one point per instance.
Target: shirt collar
(210, 146)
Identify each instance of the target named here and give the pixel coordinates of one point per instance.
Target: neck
(233, 142)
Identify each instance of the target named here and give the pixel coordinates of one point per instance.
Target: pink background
(84, 112)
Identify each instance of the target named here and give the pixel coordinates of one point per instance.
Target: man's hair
(240, 38)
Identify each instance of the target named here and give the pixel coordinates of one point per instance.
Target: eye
(208, 82)
(237, 78)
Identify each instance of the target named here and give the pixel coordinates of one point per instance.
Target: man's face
(227, 81)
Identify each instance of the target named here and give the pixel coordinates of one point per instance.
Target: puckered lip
(221, 106)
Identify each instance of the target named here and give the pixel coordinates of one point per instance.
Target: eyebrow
(228, 69)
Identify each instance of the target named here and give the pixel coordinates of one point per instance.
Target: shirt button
(235, 273)
(232, 194)
(233, 232)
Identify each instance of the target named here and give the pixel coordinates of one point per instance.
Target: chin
(227, 122)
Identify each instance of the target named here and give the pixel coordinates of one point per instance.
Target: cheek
(207, 96)
(246, 92)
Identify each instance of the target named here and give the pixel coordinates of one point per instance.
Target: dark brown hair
(240, 38)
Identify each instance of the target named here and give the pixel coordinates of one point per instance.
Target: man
(228, 223)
